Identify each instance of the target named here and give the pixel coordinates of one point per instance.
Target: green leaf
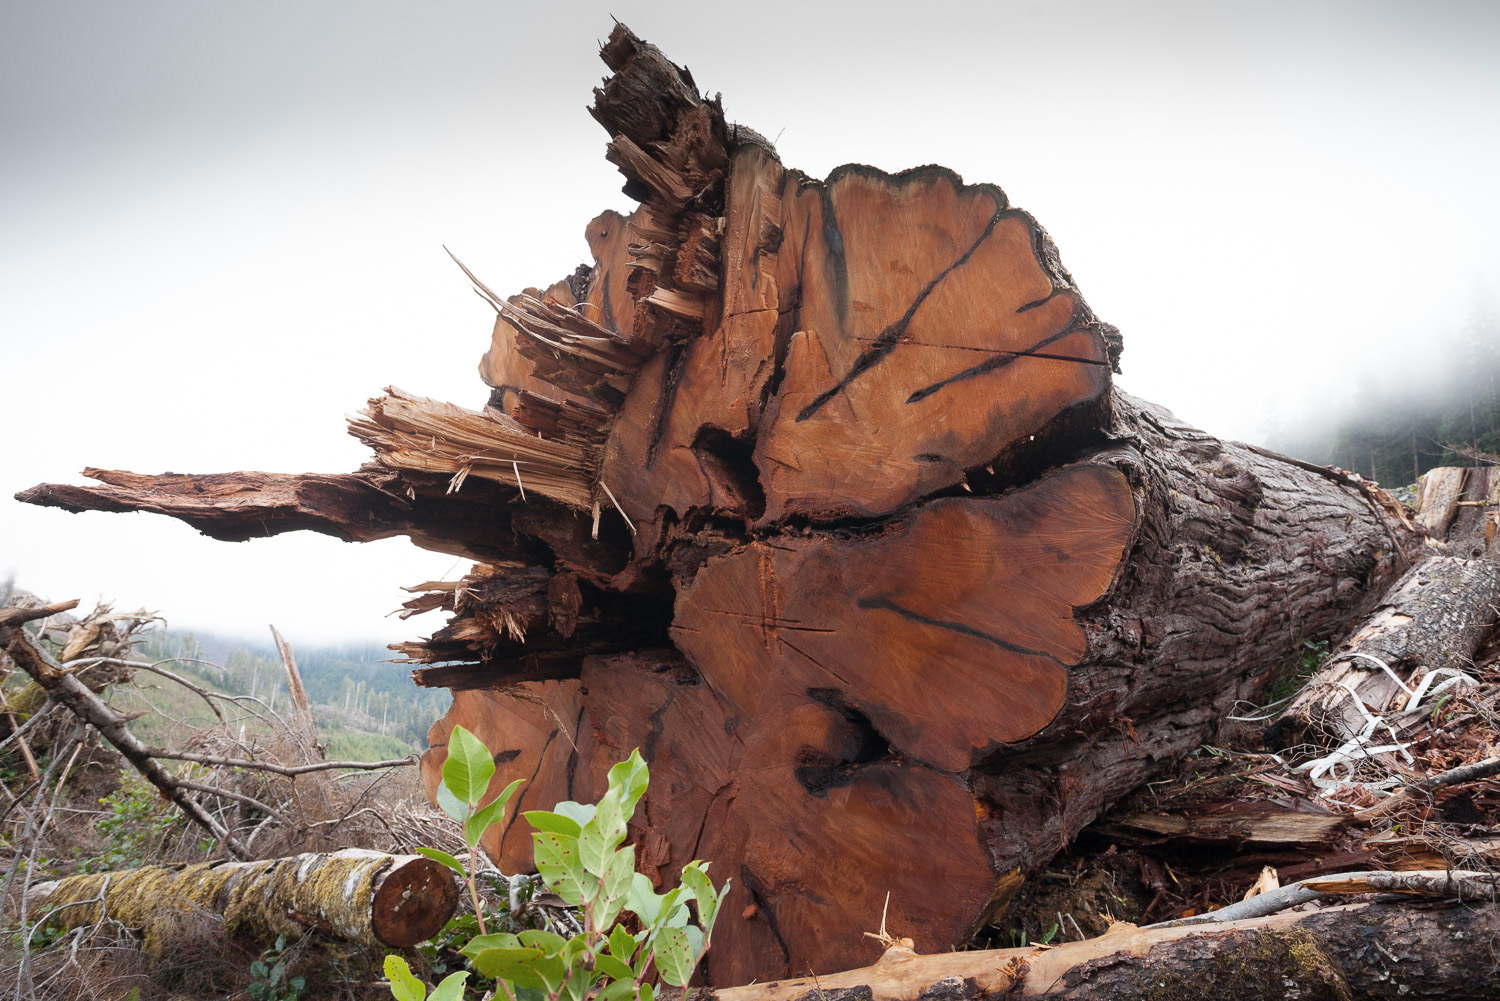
(581, 813)
(620, 990)
(574, 950)
(519, 966)
(674, 912)
(599, 836)
(576, 987)
(622, 944)
(493, 813)
(445, 858)
(614, 885)
(452, 987)
(555, 823)
(647, 993)
(467, 771)
(404, 986)
(613, 968)
(695, 878)
(695, 940)
(556, 858)
(642, 900)
(549, 943)
(675, 956)
(450, 803)
(494, 940)
(631, 777)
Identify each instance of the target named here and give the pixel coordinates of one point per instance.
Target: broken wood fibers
(831, 510)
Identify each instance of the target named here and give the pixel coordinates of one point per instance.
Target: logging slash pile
(819, 493)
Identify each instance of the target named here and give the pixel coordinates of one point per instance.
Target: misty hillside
(365, 707)
(1438, 405)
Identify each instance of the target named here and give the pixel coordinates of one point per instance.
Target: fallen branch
(1458, 884)
(16, 616)
(1453, 776)
(266, 766)
(1432, 621)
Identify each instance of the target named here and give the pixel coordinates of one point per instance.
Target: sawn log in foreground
(818, 492)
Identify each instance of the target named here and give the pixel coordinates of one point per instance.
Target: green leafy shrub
(135, 819)
(579, 855)
(268, 976)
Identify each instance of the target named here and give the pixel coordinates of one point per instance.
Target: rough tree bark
(1435, 617)
(830, 507)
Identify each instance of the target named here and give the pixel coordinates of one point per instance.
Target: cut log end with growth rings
(818, 492)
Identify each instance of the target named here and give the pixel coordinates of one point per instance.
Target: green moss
(259, 898)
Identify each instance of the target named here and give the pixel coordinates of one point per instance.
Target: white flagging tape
(1383, 666)
(1323, 772)
(1459, 678)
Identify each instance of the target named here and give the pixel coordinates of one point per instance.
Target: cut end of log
(413, 903)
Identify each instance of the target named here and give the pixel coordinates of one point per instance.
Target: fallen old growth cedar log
(818, 492)
(369, 898)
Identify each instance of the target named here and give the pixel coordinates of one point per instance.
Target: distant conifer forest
(1438, 406)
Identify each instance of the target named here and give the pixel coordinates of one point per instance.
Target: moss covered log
(365, 897)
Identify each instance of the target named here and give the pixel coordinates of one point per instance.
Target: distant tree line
(1405, 422)
(354, 684)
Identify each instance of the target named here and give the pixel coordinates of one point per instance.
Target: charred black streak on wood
(888, 605)
(675, 365)
(1028, 307)
(891, 335)
(571, 772)
(653, 736)
(835, 265)
(609, 309)
(757, 888)
(1005, 358)
(541, 757)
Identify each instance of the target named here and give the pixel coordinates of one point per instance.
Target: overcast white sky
(221, 224)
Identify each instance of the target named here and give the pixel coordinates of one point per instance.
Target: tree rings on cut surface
(951, 630)
(933, 328)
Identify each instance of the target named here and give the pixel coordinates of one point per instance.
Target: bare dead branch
(267, 766)
(34, 659)
(236, 796)
(1457, 884)
(16, 616)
